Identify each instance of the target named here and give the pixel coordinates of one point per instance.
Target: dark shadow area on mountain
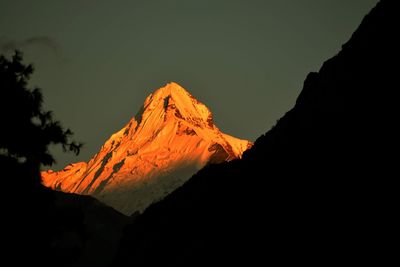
(314, 189)
(41, 227)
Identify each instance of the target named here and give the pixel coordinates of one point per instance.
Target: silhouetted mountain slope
(311, 190)
(94, 240)
(42, 227)
(49, 228)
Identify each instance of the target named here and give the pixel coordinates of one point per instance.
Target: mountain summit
(171, 138)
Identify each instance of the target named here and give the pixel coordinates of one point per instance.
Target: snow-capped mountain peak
(170, 138)
(174, 101)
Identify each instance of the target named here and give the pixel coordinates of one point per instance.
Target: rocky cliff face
(171, 138)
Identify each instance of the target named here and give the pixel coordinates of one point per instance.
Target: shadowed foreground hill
(312, 189)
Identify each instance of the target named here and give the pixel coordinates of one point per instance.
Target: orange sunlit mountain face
(171, 138)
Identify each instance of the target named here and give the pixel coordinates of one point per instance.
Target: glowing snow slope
(171, 138)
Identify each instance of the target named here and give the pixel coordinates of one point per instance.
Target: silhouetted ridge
(310, 190)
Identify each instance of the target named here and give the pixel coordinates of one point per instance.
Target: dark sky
(96, 61)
